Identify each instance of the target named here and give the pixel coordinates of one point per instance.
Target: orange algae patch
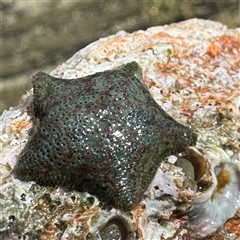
(229, 44)
(49, 233)
(213, 50)
(224, 44)
(114, 41)
(233, 226)
(18, 125)
(223, 179)
(137, 214)
(160, 35)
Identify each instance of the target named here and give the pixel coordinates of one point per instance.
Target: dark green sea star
(103, 133)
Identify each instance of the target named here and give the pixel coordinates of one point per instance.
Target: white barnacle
(220, 202)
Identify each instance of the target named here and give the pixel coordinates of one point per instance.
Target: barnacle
(114, 229)
(219, 202)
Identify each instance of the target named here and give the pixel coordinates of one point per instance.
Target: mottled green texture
(103, 133)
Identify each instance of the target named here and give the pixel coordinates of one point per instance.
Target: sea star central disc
(103, 133)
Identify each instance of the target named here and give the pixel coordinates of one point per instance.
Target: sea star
(103, 134)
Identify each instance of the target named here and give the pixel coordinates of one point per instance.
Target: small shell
(115, 229)
(111, 225)
(211, 209)
(197, 158)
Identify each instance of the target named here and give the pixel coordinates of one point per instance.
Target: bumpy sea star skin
(103, 133)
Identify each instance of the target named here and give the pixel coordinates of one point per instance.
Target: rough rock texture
(192, 71)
